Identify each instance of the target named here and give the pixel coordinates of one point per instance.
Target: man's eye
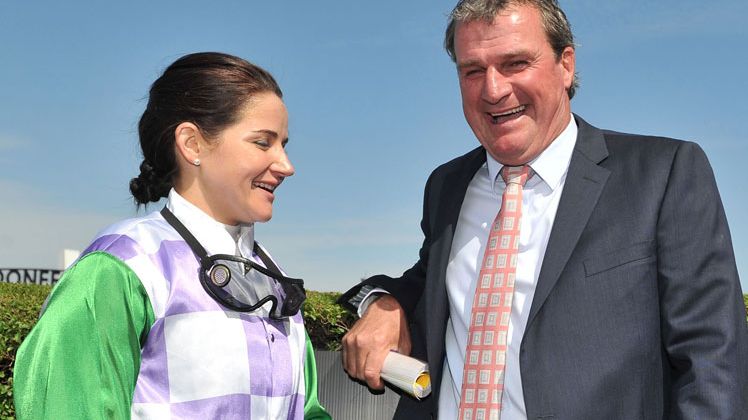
(472, 72)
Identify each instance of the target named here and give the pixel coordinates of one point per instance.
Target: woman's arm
(81, 359)
(313, 410)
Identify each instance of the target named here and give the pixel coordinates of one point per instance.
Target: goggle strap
(202, 254)
(182, 230)
(269, 264)
(202, 257)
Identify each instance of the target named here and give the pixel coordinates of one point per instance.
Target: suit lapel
(452, 189)
(455, 187)
(584, 183)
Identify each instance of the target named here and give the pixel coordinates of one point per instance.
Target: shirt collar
(552, 163)
(214, 236)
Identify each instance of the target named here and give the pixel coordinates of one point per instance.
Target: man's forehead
(506, 55)
(513, 33)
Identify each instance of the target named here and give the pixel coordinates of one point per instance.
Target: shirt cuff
(370, 295)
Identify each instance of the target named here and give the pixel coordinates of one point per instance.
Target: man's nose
(495, 86)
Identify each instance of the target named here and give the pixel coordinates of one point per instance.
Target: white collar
(214, 236)
(552, 163)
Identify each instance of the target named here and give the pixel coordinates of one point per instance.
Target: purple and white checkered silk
(201, 360)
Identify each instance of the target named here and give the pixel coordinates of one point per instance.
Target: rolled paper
(408, 374)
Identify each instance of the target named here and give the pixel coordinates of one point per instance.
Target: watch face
(220, 275)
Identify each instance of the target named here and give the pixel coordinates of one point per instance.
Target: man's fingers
(366, 345)
(355, 352)
(373, 370)
(363, 364)
(349, 354)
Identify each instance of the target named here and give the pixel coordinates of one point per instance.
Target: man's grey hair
(557, 28)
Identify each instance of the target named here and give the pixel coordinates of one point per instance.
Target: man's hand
(382, 328)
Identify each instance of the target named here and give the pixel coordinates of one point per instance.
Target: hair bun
(149, 186)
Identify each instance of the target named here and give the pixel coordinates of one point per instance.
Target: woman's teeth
(265, 186)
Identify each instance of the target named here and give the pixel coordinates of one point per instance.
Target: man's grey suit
(638, 311)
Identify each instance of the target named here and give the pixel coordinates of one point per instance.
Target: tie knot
(516, 174)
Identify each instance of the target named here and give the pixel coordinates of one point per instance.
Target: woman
(180, 313)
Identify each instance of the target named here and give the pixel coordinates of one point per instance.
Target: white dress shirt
(540, 200)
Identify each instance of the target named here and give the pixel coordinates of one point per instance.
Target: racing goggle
(241, 284)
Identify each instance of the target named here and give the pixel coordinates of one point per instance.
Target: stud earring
(196, 162)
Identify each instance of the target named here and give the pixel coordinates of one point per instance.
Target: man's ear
(186, 137)
(568, 62)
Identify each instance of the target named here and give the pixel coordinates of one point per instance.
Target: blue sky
(374, 106)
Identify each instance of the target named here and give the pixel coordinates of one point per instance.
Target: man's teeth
(265, 186)
(510, 112)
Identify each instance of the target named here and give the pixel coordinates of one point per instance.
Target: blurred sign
(29, 275)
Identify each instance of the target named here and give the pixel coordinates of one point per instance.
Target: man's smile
(497, 117)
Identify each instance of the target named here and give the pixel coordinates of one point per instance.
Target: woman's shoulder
(129, 237)
(148, 246)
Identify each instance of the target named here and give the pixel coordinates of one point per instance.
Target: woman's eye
(262, 143)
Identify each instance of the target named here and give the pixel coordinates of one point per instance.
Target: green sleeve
(313, 410)
(81, 359)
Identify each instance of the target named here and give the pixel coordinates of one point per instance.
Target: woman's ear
(187, 141)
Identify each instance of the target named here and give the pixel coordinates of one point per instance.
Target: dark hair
(208, 89)
(555, 23)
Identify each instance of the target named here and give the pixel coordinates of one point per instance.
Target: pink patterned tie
(483, 374)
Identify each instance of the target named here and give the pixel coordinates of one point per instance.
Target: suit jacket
(638, 312)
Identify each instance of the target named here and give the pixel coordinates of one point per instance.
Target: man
(624, 301)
